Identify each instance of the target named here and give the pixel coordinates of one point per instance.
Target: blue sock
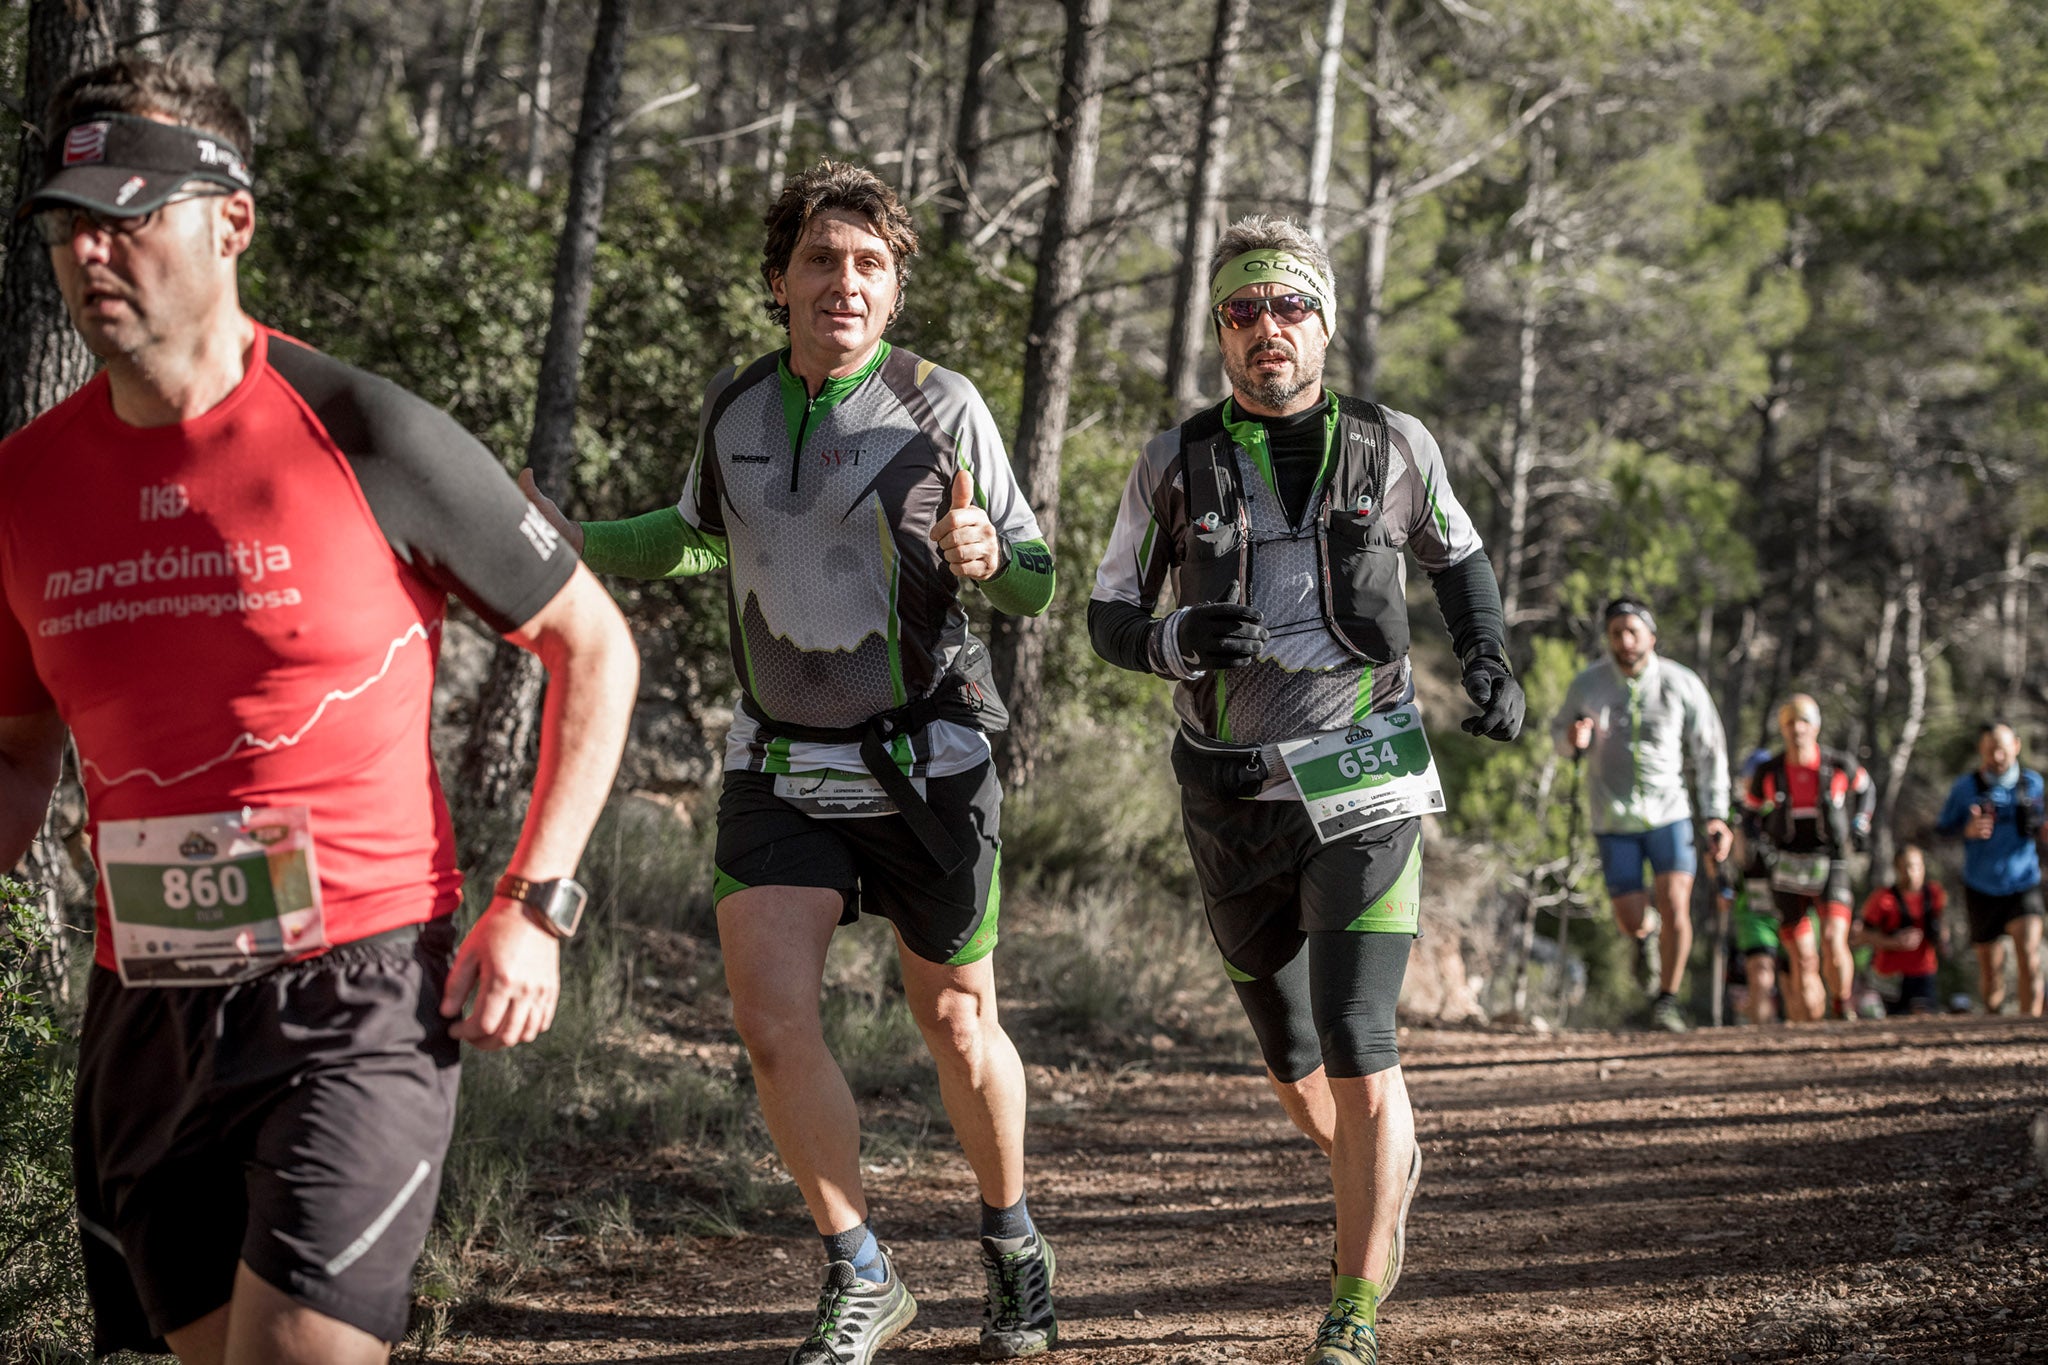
(1010, 1227)
(857, 1244)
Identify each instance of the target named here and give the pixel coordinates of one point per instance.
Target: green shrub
(42, 1283)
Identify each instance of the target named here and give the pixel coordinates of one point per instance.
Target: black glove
(1219, 635)
(1497, 695)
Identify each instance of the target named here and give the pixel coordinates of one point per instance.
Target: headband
(1272, 265)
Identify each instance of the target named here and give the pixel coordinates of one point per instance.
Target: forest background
(1737, 306)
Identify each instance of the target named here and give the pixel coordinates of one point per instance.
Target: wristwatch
(556, 906)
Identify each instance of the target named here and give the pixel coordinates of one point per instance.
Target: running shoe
(1668, 1015)
(1345, 1338)
(1018, 1320)
(1649, 965)
(856, 1317)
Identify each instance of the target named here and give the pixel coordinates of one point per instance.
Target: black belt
(874, 737)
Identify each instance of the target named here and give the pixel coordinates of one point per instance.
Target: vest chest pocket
(1362, 587)
(1215, 556)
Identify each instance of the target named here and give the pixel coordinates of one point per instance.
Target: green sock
(1362, 1295)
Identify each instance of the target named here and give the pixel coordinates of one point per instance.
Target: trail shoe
(1666, 1014)
(1017, 1320)
(856, 1317)
(1345, 1338)
(1649, 965)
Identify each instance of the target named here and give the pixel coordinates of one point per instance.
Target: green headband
(1271, 266)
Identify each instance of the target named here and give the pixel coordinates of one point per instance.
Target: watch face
(564, 907)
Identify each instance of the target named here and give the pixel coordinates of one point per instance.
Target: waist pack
(1226, 772)
(966, 695)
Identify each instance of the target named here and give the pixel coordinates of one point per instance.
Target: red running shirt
(1889, 910)
(246, 608)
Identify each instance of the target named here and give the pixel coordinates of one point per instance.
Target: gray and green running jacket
(1645, 730)
(1305, 682)
(821, 510)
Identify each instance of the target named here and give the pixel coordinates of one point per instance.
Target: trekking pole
(1564, 904)
(1724, 916)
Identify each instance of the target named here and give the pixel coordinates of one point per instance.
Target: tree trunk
(461, 119)
(1871, 727)
(494, 764)
(1521, 452)
(541, 100)
(318, 58)
(970, 128)
(913, 100)
(2012, 619)
(1187, 342)
(1018, 647)
(42, 359)
(1909, 729)
(1323, 136)
(1379, 211)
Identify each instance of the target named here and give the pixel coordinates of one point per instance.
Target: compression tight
(1331, 1006)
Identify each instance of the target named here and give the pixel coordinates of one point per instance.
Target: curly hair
(828, 186)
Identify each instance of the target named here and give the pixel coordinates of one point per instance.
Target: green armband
(658, 544)
(1024, 587)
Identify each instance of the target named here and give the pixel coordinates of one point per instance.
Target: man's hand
(1906, 940)
(1978, 827)
(1497, 695)
(514, 966)
(1219, 635)
(1581, 734)
(1720, 840)
(966, 535)
(571, 532)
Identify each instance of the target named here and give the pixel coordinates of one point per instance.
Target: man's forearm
(593, 677)
(31, 758)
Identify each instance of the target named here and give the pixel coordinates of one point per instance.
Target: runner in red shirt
(224, 564)
(1903, 923)
(1806, 809)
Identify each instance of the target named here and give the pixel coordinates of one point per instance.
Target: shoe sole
(1052, 1331)
(888, 1329)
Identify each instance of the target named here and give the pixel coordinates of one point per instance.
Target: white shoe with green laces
(856, 1317)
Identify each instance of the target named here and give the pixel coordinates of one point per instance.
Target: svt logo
(840, 455)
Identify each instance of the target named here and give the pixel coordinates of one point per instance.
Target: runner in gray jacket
(1639, 720)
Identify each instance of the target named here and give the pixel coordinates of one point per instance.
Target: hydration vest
(1360, 567)
(2026, 810)
(1837, 774)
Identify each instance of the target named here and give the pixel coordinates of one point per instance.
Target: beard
(1278, 388)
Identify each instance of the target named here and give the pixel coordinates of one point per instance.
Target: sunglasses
(1289, 310)
(59, 225)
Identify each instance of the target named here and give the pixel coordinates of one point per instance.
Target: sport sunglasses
(59, 224)
(1289, 310)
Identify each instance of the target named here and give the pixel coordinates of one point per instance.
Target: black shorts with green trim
(1268, 882)
(875, 862)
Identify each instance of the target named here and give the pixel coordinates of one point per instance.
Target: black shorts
(296, 1122)
(1990, 914)
(875, 862)
(1267, 881)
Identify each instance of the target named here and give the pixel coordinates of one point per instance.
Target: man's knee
(1277, 1007)
(955, 1022)
(775, 1026)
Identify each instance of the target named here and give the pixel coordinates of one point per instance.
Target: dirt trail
(1862, 1192)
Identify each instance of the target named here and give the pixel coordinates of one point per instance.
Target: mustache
(1259, 348)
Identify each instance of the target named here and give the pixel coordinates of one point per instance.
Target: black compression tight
(1332, 1006)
